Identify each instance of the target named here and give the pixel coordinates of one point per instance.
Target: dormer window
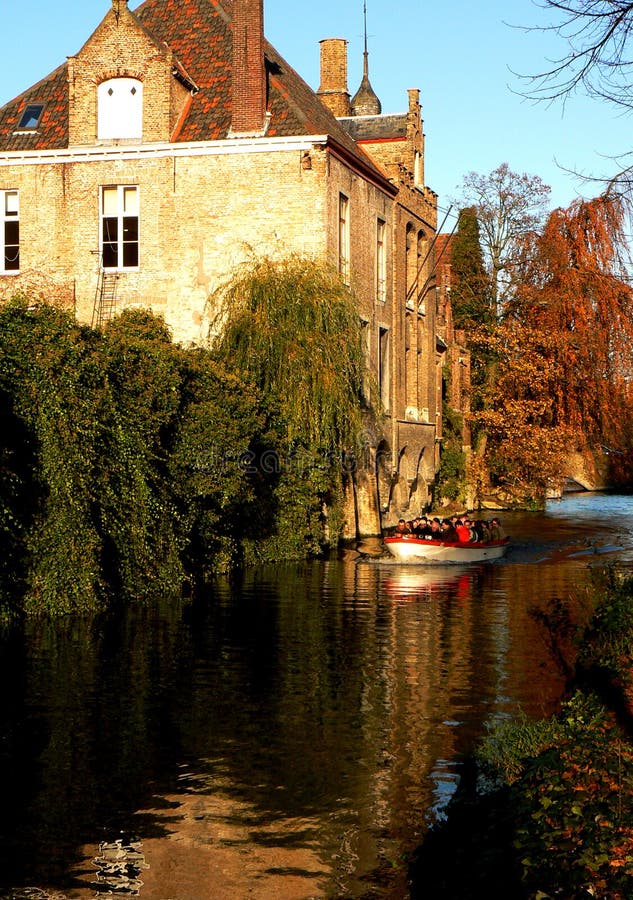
(31, 117)
(120, 109)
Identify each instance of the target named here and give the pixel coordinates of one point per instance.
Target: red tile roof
(52, 131)
(199, 34)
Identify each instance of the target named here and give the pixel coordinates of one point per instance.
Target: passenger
(402, 527)
(449, 532)
(496, 531)
(424, 528)
(464, 532)
(436, 529)
(482, 531)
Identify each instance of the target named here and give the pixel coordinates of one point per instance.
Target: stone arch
(420, 496)
(384, 475)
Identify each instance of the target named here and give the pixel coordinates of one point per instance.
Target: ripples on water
(290, 736)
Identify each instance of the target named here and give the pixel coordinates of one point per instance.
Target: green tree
(471, 299)
(292, 328)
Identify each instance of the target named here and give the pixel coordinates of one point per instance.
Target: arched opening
(383, 476)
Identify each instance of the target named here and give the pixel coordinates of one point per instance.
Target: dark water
(290, 736)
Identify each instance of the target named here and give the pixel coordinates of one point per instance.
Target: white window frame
(119, 227)
(9, 243)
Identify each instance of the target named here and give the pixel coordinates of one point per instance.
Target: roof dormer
(123, 85)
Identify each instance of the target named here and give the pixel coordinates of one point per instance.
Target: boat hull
(411, 549)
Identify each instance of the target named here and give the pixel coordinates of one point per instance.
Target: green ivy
(104, 439)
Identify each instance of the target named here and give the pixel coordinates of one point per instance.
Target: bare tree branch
(599, 35)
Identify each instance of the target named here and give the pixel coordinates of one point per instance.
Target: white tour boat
(407, 548)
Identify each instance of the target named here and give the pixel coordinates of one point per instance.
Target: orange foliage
(578, 293)
(556, 372)
(525, 443)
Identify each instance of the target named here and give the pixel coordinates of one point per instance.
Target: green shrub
(103, 433)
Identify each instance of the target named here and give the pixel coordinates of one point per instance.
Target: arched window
(120, 109)
(411, 265)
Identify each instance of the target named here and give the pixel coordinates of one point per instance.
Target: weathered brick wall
(199, 217)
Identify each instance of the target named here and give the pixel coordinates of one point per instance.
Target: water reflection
(290, 736)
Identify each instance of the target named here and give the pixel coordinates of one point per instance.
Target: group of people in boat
(457, 529)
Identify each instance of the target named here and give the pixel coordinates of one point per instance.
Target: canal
(293, 734)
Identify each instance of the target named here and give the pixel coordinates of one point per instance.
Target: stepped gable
(199, 34)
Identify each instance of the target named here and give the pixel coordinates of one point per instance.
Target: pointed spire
(365, 102)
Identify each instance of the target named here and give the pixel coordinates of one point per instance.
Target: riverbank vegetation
(546, 808)
(130, 466)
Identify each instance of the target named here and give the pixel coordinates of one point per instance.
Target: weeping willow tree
(292, 328)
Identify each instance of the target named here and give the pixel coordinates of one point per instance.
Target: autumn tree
(581, 293)
(562, 357)
(509, 207)
(521, 448)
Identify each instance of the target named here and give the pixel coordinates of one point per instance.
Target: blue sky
(461, 56)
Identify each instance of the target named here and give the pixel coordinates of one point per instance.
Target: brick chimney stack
(249, 71)
(118, 6)
(333, 91)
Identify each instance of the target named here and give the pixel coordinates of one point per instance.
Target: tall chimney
(249, 72)
(333, 88)
(118, 6)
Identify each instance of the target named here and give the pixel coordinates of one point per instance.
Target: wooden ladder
(105, 298)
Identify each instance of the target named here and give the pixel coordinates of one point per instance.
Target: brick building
(176, 143)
